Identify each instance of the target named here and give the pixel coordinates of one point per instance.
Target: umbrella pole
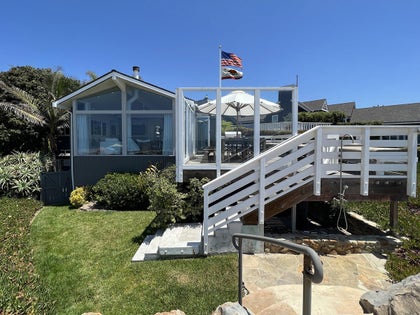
(237, 123)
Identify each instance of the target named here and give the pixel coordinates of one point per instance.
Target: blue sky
(367, 51)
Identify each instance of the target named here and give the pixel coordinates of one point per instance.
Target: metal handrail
(312, 265)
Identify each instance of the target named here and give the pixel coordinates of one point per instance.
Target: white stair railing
(367, 152)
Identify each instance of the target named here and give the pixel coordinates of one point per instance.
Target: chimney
(136, 72)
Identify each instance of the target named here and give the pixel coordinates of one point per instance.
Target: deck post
(318, 161)
(412, 162)
(180, 134)
(364, 174)
(218, 132)
(393, 215)
(294, 219)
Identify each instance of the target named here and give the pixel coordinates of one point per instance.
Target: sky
(363, 51)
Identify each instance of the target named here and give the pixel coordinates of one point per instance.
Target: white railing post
(261, 212)
(180, 135)
(218, 131)
(257, 122)
(365, 162)
(205, 222)
(412, 162)
(318, 161)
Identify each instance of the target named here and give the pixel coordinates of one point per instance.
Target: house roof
(393, 114)
(314, 106)
(108, 80)
(346, 108)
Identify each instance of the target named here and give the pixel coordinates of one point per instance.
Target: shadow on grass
(150, 230)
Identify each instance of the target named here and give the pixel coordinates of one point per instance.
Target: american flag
(230, 59)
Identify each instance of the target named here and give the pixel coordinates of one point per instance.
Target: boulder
(402, 298)
(230, 308)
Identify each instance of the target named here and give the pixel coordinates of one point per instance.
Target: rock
(230, 308)
(173, 312)
(402, 298)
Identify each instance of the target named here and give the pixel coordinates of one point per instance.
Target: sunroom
(119, 124)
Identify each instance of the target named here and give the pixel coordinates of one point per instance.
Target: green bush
(195, 200)
(169, 201)
(152, 189)
(121, 191)
(20, 174)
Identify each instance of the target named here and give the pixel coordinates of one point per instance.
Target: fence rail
(287, 125)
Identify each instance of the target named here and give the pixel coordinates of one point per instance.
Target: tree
(28, 93)
(334, 117)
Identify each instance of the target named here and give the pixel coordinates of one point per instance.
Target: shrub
(78, 197)
(171, 204)
(20, 174)
(167, 202)
(121, 191)
(195, 199)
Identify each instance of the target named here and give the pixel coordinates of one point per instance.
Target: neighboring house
(120, 123)
(346, 108)
(403, 114)
(285, 101)
(314, 106)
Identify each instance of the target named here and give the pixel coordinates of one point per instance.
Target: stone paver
(275, 282)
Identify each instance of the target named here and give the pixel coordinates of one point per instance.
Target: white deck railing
(361, 152)
(287, 125)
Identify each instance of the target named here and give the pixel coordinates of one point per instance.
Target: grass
(84, 259)
(21, 290)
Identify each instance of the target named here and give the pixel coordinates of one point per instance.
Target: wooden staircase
(282, 204)
(376, 162)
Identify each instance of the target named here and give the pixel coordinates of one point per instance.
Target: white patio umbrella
(239, 103)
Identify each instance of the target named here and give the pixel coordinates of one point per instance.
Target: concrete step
(181, 240)
(148, 250)
(220, 241)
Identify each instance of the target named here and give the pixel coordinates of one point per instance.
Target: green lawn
(84, 260)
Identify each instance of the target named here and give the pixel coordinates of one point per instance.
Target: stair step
(181, 240)
(148, 250)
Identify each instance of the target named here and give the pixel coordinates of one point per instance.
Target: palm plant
(39, 111)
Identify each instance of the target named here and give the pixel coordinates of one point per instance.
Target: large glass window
(149, 134)
(147, 122)
(98, 134)
(145, 100)
(108, 100)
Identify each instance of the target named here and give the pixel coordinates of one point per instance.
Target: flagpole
(220, 66)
